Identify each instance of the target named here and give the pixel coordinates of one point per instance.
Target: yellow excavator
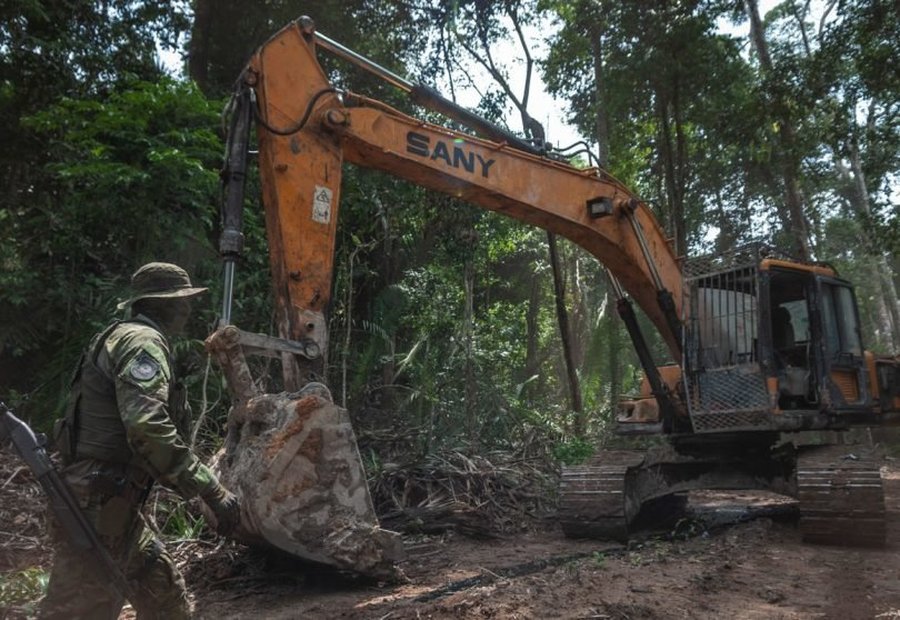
(762, 346)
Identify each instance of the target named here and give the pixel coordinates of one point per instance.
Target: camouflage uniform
(124, 430)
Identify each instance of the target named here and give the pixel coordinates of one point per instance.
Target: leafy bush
(574, 451)
(21, 591)
(131, 177)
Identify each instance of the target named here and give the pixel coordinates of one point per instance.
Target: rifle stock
(65, 507)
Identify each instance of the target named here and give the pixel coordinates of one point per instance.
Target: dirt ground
(758, 568)
(752, 568)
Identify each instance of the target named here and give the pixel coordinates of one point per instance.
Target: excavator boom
(307, 129)
(293, 456)
(737, 382)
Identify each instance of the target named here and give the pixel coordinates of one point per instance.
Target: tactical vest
(92, 427)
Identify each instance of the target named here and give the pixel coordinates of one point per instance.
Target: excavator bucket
(293, 461)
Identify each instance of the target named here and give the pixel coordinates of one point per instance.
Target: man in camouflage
(123, 430)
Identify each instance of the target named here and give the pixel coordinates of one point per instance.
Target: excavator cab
(816, 352)
(773, 344)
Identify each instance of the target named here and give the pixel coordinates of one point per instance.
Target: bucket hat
(160, 280)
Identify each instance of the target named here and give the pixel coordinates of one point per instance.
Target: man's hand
(225, 506)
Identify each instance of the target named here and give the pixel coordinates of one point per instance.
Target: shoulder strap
(66, 432)
(95, 352)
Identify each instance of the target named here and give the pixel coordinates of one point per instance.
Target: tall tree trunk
(388, 277)
(681, 174)
(562, 317)
(787, 157)
(887, 307)
(198, 46)
(609, 326)
(531, 336)
(667, 153)
(579, 312)
(887, 292)
(602, 119)
(348, 328)
(469, 337)
(728, 230)
(614, 344)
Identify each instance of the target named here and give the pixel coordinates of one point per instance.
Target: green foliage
(108, 164)
(78, 49)
(667, 76)
(226, 32)
(21, 591)
(129, 178)
(574, 451)
(177, 521)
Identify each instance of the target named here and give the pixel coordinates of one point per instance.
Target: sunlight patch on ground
(413, 590)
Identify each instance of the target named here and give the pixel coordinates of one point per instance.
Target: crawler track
(593, 499)
(841, 499)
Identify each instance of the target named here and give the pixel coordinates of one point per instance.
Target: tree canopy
(444, 328)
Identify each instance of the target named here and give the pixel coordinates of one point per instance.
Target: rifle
(65, 507)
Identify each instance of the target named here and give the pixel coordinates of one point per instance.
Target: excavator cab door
(794, 357)
(814, 341)
(845, 378)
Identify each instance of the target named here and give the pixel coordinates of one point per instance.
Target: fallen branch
(14, 474)
(466, 493)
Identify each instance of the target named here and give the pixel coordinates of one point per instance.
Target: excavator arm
(293, 456)
(306, 129)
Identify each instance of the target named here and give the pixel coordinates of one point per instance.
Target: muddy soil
(755, 567)
(728, 561)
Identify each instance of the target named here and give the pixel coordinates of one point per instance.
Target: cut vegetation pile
(480, 496)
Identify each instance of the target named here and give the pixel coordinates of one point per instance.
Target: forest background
(451, 327)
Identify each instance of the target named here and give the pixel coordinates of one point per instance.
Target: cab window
(840, 323)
